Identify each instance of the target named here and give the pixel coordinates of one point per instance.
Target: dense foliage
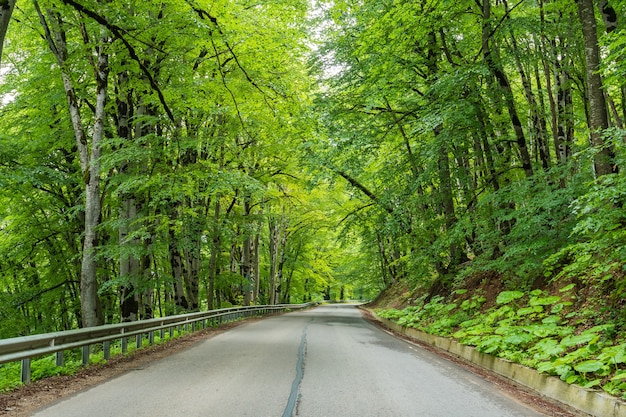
(150, 163)
(480, 136)
(160, 157)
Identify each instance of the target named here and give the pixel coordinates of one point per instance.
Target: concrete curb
(594, 403)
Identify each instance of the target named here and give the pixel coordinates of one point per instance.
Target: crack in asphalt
(295, 385)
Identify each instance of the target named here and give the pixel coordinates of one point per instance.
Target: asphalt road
(324, 362)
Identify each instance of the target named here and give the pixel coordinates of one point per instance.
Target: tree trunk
(285, 288)
(609, 17)
(281, 255)
(129, 264)
(496, 69)
(215, 251)
(193, 261)
(272, 225)
(542, 140)
(536, 113)
(457, 256)
(90, 153)
(246, 271)
(247, 258)
(492, 173)
(565, 116)
(92, 314)
(147, 299)
(598, 115)
(176, 263)
(6, 10)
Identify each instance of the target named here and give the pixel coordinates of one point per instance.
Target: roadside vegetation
(572, 332)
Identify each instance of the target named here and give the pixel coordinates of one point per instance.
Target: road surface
(324, 362)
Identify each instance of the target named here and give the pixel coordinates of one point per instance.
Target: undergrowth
(535, 329)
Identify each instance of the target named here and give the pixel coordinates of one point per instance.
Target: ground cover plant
(550, 332)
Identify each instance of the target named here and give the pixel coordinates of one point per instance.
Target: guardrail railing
(26, 348)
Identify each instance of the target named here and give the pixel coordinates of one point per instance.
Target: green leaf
(529, 310)
(544, 301)
(593, 383)
(619, 376)
(589, 366)
(505, 297)
(614, 354)
(518, 338)
(575, 340)
(547, 348)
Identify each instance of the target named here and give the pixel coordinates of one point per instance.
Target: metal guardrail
(26, 348)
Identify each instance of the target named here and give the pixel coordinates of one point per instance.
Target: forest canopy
(163, 157)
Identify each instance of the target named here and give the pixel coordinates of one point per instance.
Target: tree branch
(118, 34)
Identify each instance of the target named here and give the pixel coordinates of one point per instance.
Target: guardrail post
(138, 341)
(60, 360)
(124, 345)
(171, 330)
(151, 338)
(85, 355)
(106, 350)
(25, 371)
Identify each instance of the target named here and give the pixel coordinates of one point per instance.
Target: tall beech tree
(604, 161)
(89, 145)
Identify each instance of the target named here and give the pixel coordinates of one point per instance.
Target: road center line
(295, 385)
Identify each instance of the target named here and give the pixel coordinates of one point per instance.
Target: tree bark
(256, 266)
(215, 251)
(6, 11)
(193, 262)
(598, 115)
(92, 314)
(129, 264)
(176, 263)
(90, 153)
(247, 270)
(272, 225)
(536, 112)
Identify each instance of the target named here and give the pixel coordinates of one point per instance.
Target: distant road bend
(324, 362)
